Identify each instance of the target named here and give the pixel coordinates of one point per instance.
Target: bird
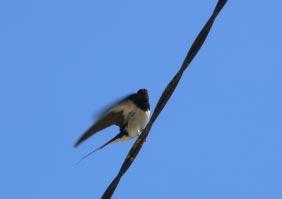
(130, 114)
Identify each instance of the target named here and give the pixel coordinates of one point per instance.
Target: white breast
(137, 122)
(135, 117)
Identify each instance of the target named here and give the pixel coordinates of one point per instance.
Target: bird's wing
(115, 115)
(114, 104)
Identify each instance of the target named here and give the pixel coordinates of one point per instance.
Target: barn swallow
(130, 114)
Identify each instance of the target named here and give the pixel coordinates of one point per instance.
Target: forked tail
(118, 136)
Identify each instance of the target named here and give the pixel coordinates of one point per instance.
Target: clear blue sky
(220, 135)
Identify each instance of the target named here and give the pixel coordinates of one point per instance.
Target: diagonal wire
(197, 44)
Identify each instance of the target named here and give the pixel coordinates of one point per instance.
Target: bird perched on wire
(130, 114)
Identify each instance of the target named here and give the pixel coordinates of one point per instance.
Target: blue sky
(220, 135)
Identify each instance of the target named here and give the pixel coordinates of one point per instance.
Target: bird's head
(143, 94)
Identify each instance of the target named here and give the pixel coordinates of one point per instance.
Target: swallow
(130, 114)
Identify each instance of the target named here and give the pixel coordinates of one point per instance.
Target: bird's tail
(119, 137)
